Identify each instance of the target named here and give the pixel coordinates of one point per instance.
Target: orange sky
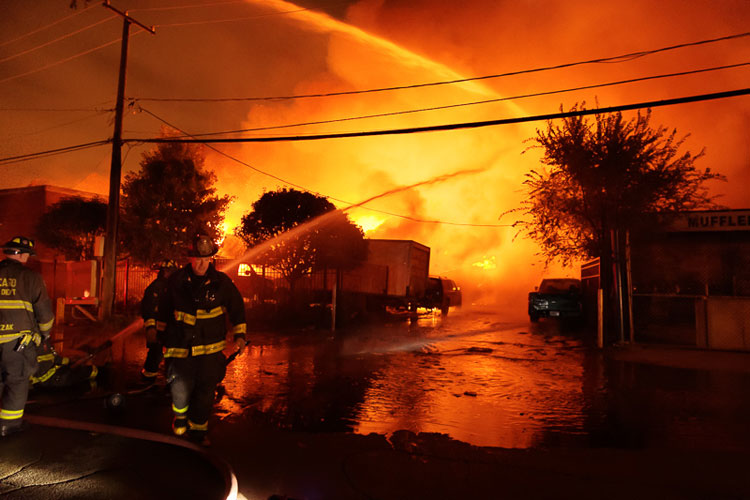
(270, 48)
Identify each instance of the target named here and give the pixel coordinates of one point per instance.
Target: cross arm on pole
(125, 15)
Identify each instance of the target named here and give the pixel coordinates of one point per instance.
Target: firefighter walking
(199, 303)
(154, 327)
(26, 319)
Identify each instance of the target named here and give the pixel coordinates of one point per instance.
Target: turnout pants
(16, 368)
(193, 386)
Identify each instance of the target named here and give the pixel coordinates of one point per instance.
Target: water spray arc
(321, 220)
(322, 22)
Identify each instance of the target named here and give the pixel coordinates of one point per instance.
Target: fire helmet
(19, 244)
(203, 246)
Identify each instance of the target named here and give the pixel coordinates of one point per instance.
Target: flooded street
(486, 382)
(479, 380)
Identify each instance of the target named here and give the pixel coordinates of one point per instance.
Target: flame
(385, 44)
(353, 170)
(368, 223)
(487, 263)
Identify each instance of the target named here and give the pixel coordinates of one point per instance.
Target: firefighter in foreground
(154, 327)
(199, 303)
(26, 319)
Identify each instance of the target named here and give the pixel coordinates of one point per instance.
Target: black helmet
(203, 246)
(19, 244)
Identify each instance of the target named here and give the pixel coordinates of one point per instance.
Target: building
(690, 277)
(21, 209)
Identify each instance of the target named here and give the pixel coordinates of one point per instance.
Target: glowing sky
(225, 49)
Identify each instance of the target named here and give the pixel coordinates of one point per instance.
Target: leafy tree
(71, 226)
(606, 176)
(168, 201)
(302, 231)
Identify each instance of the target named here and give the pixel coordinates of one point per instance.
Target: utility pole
(113, 205)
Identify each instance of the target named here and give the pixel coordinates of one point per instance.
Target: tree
(607, 176)
(168, 201)
(604, 179)
(71, 226)
(301, 231)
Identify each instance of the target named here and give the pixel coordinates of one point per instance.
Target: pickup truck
(556, 297)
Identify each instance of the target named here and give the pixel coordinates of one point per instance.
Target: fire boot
(179, 425)
(8, 429)
(198, 433)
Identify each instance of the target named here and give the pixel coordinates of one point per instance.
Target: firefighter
(199, 303)
(26, 319)
(56, 372)
(149, 313)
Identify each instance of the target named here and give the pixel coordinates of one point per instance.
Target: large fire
(458, 209)
(384, 47)
(377, 44)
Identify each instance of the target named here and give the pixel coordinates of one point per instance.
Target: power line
(61, 61)
(474, 103)
(351, 205)
(465, 125)
(230, 20)
(53, 127)
(618, 58)
(46, 44)
(215, 4)
(194, 6)
(51, 152)
(65, 110)
(45, 27)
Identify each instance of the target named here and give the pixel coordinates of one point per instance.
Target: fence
(131, 283)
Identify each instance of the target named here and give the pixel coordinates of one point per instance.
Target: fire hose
(230, 480)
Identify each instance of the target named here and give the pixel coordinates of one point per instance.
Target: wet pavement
(449, 408)
(50, 460)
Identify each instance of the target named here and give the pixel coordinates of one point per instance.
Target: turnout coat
(197, 311)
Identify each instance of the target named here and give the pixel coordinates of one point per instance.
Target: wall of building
(709, 262)
(691, 280)
(21, 209)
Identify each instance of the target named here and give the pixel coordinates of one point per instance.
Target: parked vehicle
(556, 297)
(442, 293)
(396, 275)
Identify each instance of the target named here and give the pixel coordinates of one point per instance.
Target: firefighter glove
(240, 342)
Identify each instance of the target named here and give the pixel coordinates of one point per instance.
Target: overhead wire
(216, 21)
(618, 58)
(51, 42)
(7, 42)
(354, 205)
(65, 110)
(53, 127)
(52, 152)
(193, 6)
(214, 4)
(231, 19)
(474, 103)
(61, 61)
(463, 125)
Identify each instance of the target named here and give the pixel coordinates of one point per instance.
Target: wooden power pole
(113, 204)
